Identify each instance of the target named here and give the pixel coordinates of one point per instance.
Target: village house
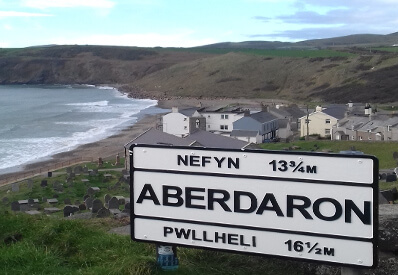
(372, 127)
(260, 126)
(321, 121)
(288, 118)
(183, 122)
(221, 119)
(198, 138)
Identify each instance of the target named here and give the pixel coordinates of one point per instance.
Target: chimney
(174, 109)
(318, 109)
(368, 109)
(264, 108)
(246, 112)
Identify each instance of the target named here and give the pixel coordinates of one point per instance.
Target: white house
(321, 121)
(284, 131)
(221, 119)
(182, 122)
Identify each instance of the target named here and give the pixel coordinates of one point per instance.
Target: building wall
(222, 122)
(317, 125)
(197, 123)
(176, 124)
(256, 140)
(285, 133)
(266, 130)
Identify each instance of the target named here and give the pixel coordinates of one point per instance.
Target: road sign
(309, 206)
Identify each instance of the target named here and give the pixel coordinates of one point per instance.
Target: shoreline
(105, 148)
(109, 147)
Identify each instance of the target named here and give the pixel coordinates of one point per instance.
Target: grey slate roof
(282, 123)
(153, 136)
(207, 139)
(336, 111)
(263, 117)
(222, 109)
(188, 112)
(243, 133)
(286, 112)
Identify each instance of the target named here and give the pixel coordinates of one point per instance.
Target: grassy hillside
(327, 75)
(250, 74)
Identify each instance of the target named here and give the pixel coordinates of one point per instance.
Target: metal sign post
(308, 206)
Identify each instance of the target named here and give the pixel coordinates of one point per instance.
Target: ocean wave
(106, 88)
(96, 103)
(64, 121)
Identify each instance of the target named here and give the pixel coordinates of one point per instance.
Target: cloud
(177, 39)
(321, 19)
(21, 14)
(44, 4)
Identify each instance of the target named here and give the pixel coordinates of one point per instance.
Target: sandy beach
(108, 148)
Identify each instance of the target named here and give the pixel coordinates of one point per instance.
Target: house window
(327, 131)
(185, 127)
(353, 138)
(224, 116)
(389, 128)
(327, 121)
(185, 119)
(208, 126)
(224, 127)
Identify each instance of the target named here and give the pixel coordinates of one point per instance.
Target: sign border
(374, 186)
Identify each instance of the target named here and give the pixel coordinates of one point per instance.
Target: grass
(382, 150)
(389, 107)
(56, 246)
(388, 49)
(270, 53)
(74, 192)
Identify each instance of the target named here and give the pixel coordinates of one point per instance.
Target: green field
(299, 53)
(388, 49)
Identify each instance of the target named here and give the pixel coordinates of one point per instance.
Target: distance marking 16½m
(284, 166)
(300, 246)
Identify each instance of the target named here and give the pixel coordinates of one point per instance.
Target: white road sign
(294, 205)
(316, 166)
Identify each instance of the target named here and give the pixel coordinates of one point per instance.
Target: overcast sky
(187, 23)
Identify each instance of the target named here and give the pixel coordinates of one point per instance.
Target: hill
(300, 72)
(361, 40)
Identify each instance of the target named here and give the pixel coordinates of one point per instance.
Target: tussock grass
(58, 246)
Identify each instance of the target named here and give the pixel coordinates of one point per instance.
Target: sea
(37, 121)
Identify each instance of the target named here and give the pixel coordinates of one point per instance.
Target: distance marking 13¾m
(284, 166)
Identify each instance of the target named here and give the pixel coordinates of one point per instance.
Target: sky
(189, 23)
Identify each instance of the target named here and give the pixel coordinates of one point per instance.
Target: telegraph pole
(307, 121)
